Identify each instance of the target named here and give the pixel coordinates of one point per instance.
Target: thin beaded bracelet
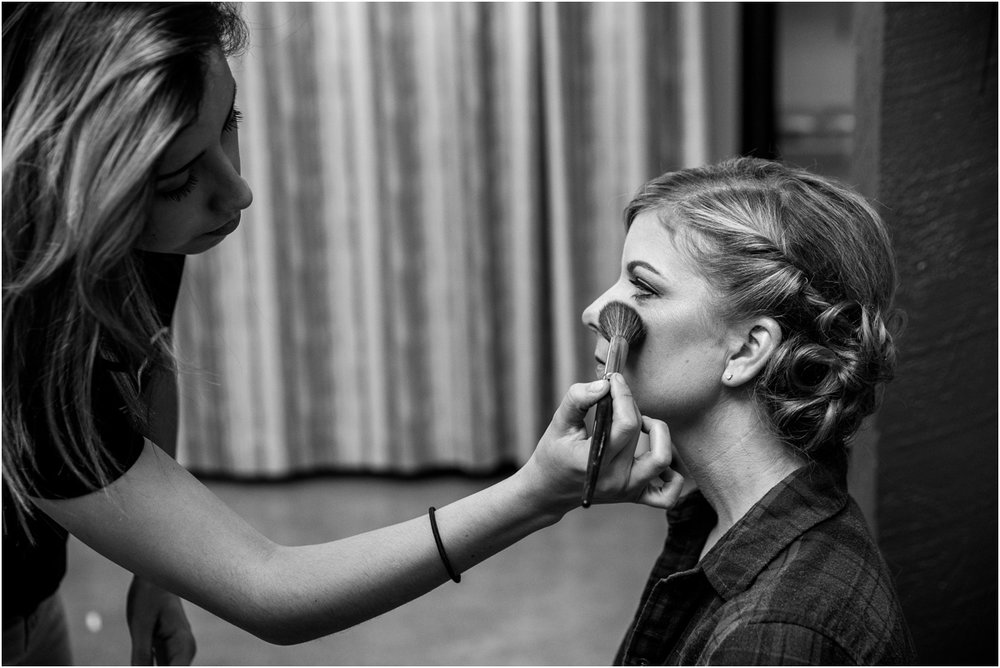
(437, 539)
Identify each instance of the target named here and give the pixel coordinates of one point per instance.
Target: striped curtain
(438, 195)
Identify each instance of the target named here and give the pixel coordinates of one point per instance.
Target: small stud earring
(729, 376)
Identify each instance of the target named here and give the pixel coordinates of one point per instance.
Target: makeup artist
(120, 157)
(766, 294)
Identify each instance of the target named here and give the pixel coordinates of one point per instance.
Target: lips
(228, 228)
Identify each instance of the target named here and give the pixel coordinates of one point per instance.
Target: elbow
(274, 626)
(279, 610)
(278, 624)
(283, 633)
(270, 631)
(275, 635)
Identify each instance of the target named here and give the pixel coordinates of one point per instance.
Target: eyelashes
(234, 120)
(642, 290)
(177, 194)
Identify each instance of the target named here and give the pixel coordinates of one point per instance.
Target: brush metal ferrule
(617, 353)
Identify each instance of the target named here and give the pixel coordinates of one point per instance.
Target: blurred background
(438, 195)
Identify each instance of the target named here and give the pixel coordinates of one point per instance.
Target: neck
(735, 461)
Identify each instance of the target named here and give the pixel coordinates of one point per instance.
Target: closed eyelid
(182, 191)
(229, 123)
(177, 172)
(176, 181)
(644, 277)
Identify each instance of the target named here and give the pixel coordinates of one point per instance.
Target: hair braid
(813, 255)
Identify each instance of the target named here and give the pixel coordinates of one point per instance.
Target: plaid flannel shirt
(797, 580)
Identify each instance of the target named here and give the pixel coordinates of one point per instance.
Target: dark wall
(927, 152)
(758, 127)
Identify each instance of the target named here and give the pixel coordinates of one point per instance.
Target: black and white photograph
(500, 333)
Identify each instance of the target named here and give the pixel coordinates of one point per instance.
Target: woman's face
(676, 373)
(199, 190)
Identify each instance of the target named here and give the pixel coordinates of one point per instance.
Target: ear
(759, 340)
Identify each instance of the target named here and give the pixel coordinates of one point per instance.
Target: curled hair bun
(825, 379)
(812, 254)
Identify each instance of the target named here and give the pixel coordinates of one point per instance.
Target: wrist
(542, 501)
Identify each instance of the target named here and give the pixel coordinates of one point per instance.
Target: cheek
(645, 372)
(667, 373)
(170, 225)
(158, 230)
(152, 234)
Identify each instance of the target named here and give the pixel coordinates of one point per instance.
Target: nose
(240, 195)
(233, 193)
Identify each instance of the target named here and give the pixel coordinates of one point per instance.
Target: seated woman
(766, 294)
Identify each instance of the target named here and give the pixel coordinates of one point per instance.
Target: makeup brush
(622, 326)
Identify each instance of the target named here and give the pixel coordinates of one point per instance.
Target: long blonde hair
(93, 94)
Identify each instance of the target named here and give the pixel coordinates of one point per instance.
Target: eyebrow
(187, 165)
(631, 266)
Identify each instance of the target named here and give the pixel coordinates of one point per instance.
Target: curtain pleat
(438, 191)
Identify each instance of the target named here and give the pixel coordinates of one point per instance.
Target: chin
(199, 245)
(191, 247)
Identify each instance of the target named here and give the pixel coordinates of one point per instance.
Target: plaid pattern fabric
(797, 580)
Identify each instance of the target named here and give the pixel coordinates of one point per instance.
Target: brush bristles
(621, 320)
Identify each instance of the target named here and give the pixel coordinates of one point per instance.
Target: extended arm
(159, 522)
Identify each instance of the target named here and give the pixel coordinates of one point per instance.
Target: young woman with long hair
(120, 157)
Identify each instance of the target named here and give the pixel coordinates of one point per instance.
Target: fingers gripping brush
(622, 326)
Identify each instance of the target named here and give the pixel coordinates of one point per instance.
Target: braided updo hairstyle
(812, 254)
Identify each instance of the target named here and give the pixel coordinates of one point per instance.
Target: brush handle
(602, 431)
(617, 354)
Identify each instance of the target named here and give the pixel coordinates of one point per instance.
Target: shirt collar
(802, 500)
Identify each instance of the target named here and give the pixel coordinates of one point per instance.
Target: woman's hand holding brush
(558, 468)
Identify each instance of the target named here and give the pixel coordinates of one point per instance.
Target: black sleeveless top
(32, 572)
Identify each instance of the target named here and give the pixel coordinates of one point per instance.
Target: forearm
(321, 589)
(294, 594)
(163, 525)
